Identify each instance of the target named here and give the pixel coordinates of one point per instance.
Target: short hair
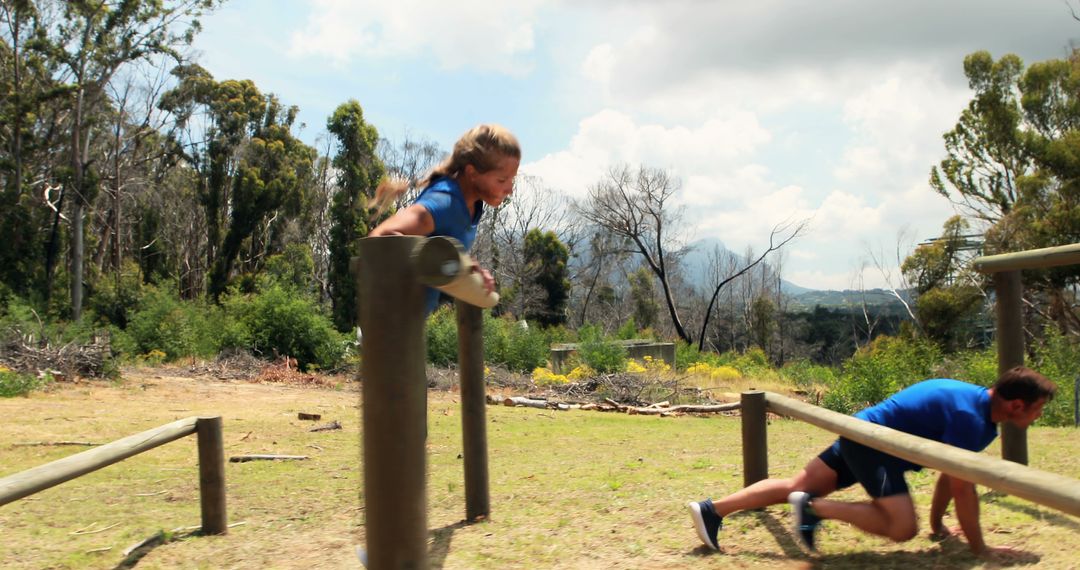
(1022, 383)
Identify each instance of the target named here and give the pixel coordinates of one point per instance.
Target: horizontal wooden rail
(1030, 259)
(211, 461)
(1056, 491)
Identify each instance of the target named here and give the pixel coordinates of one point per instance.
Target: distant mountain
(695, 264)
(848, 298)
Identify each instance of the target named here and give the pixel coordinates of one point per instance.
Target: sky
(766, 111)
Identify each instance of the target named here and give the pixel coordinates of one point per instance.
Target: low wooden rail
(1056, 491)
(211, 466)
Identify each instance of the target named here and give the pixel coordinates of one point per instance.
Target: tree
(643, 297)
(359, 171)
(785, 233)
(637, 206)
(985, 155)
(947, 292)
(93, 41)
(545, 258)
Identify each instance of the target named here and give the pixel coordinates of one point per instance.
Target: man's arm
(967, 512)
(940, 502)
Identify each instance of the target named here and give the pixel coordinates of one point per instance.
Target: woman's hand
(489, 281)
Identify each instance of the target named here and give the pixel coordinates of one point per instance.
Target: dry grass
(569, 489)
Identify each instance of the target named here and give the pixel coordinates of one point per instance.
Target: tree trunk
(78, 212)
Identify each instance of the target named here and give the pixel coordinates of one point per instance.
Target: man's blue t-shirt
(949, 411)
(444, 201)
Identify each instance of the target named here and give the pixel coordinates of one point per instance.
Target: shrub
(14, 383)
(442, 339)
(804, 373)
(545, 377)
(282, 322)
(1058, 358)
(599, 353)
(881, 369)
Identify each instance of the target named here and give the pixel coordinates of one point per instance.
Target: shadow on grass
(136, 553)
(1044, 514)
(440, 545)
(949, 553)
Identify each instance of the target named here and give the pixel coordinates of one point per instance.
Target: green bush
(881, 369)
(804, 373)
(506, 341)
(14, 383)
(598, 352)
(177, 328)
(284, 323)
(526, 349)
(1058, 358)
(753, 362)
(442, 341)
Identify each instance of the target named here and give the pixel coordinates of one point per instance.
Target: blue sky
(766, 111)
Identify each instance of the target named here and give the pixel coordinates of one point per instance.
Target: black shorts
(881, 474)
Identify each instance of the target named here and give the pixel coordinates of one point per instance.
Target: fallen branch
(524, 401)
(327, 427)
(56, 443)
(684, 409)
(85, 530)
(265, 457)
(609, 405)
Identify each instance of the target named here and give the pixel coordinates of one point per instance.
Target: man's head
(1019, 395)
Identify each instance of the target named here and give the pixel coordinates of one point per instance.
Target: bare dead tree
(638, 207)
(781, 235)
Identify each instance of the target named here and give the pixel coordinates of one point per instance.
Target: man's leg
(816, 478)
(892, 517)
(708, 516)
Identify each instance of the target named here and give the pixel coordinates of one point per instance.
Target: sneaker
(706, 521)
(806, 520)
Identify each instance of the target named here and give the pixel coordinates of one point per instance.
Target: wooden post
(1010, 338)
(1076, 402)
(473, 410)
(211, 475)
(754, 441)
(394, 401)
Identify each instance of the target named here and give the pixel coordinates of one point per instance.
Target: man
(949, 411)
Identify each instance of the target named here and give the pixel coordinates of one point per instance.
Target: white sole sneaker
(699, 524)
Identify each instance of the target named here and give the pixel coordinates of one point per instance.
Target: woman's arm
(412, 221)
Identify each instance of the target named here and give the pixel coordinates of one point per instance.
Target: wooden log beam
(24, 483)
(441, 262)
(1056, 491)
(1030, 259)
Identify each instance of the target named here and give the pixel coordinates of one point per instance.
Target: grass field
(575, 489)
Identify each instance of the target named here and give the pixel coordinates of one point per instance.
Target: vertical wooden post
(1010, 338)
(755, 446)
(1076, 402)
(394, 400)
(211, 475)
(470, 325)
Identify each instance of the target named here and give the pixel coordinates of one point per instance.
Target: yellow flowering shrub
(581, 372)
(634, 367)
(545, 377)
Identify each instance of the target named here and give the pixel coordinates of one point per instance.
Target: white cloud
(471, 34)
